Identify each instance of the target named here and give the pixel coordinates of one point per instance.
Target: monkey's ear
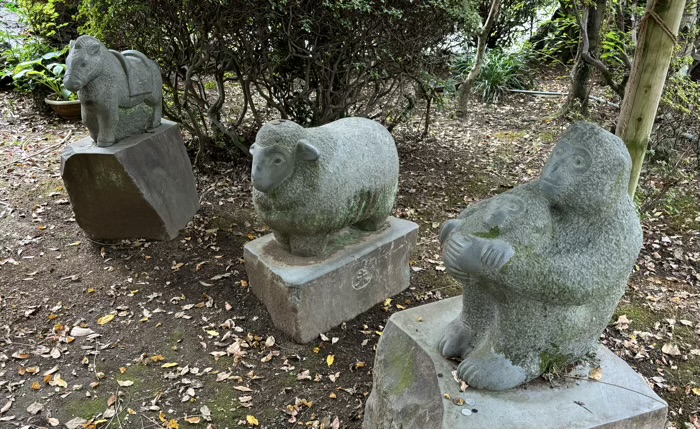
(307, 151)
(252, 149)
(71, 45)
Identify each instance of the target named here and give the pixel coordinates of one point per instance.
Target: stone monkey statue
(543, 265)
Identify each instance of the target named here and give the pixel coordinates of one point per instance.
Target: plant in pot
(44, 76)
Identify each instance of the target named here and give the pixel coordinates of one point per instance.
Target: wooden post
(657, 37)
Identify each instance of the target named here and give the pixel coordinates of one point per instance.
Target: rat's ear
(307, 151)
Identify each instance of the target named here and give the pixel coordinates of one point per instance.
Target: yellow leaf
(105, 319)
(36, 385)
(330, 359)
(596, 374)
(58, 381)
(52, 316)
(173, 424)
(244, 283)
(162, 416)
(91, 290)
(212, 333)
(157, 358)
(122, 370)
(125, 383)
(169, 365)
(332, 395)
(696, 391)
(252, 420)
(130, 411)
(75, 243)
(193, 420)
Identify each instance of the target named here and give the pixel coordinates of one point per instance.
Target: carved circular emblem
(362, 279)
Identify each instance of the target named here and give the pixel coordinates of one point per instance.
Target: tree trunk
(581, 75)
(465, 89)
(687, 33)
(657, 34)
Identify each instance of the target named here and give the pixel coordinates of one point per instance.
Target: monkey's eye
(278, 160)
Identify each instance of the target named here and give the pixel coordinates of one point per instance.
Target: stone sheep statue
(106, 80)
(310, 183)
(543, 265)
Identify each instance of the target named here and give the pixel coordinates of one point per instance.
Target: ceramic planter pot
(69, 110)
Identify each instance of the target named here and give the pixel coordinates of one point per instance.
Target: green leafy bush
(312, 62)
(52, 20)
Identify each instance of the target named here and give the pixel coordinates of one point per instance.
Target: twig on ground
(63, 140)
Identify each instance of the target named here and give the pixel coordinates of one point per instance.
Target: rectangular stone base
(308, 296)
(411, 379)
(140, 187)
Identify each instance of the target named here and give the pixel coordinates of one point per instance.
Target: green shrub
(52, 20)
(312, 62)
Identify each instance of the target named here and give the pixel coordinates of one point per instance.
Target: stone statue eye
(83, 64)
(578, 162)
(278, 160)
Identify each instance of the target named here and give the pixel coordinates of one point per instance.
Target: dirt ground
(137, 334)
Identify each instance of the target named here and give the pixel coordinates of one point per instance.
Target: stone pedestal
(308, 296)
(411, 379)
(141, 187)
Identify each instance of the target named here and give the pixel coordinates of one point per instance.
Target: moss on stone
(553, 364)
(494, 232)
(401, 364)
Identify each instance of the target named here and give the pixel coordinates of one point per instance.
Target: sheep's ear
(71, 45)
(307, 151)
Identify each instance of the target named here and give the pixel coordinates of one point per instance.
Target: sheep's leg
(374, 223)
(282, 240)
(308, 245)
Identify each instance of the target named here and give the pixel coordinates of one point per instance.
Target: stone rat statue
(544, 264)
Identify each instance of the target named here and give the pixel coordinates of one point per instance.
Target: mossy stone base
(307, 296)
(411, 380)
(141, 187)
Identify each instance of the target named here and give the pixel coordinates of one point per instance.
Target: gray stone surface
(120, 93)
(543, 265)
(306, 296)
(141, 187)
(310, 183)
(411, 377)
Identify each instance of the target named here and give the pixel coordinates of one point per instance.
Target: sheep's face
(272, 165)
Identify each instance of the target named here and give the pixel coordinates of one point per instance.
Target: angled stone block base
(410, 379)
(309, 296)
(140, 187)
